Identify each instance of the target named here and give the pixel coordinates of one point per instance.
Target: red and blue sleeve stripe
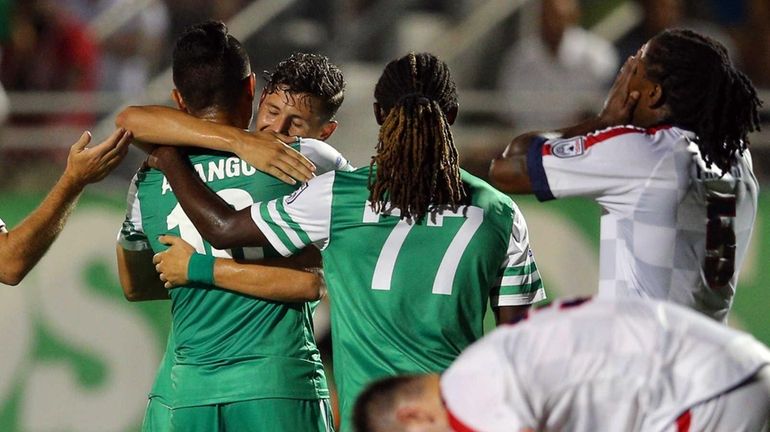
(536, 171)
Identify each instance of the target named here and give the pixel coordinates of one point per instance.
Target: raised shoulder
(325, 157)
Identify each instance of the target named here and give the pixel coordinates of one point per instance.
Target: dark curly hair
(312, 74)
(705, 93)
(209, 66)
(417, 168)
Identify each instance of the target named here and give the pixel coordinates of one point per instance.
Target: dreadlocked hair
(417, 168)
(704, 93)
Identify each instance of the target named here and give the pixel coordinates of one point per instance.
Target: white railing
(114, 17)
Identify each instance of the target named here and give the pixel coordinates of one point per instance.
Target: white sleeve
(602, 164)
(481, 391)
(519, 280)
(2, 227)
(325, 157)
(293, 222)
(131, 236)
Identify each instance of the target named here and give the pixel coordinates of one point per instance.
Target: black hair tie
(418, 97)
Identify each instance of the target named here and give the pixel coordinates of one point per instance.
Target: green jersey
(161, 388)
(406, 297)
(229, 347)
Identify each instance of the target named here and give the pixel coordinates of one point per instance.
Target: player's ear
(451, 115)
(413, 417)
(328, 129)
(656, 102)
(262, 96)
(655, 96)
(252, 86)
(379, 114)
(179, 100)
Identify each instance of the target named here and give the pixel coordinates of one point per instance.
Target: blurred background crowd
(70, 65)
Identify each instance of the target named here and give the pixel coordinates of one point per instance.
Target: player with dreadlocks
(409, 292)
(668, 161)
(416, 162)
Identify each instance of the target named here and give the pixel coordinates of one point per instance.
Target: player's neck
(220, 117)
(648, 119)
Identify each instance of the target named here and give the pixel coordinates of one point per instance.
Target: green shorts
(157, 417)
(258, 415)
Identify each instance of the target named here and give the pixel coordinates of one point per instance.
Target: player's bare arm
(265, 151)
(22, 247)
(221, 225)
(294, 279)
(508, 172)
(138, 277)
(509, 314)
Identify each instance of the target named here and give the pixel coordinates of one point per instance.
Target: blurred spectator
(753, 37)
(49, 50)
(132, 53)
(185, 13)
(662, 14)
(4, 104)
(563, 63)
(5, 34)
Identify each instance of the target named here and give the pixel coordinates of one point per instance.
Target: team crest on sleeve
(290, 199)
(568, 149)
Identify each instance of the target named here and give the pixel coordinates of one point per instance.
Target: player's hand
(620, 103)
(269, 152)
(89, 165)
(172, 263)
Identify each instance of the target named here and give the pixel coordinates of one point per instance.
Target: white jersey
(652, 185)
(626, 365)
(2, 226)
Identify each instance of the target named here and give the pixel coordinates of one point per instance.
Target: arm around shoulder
(163, 125)
(220, 224)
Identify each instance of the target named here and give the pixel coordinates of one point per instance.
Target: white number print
(239, 199)
(386, 261)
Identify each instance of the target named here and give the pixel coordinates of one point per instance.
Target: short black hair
(705, 93)
(374, 407)
(309, 73)
(209, 66)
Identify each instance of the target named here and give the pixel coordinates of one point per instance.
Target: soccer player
(23, 246)
(580, 366)
(668, 161)
(238, 361)
(300, 98)
(415, 247)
